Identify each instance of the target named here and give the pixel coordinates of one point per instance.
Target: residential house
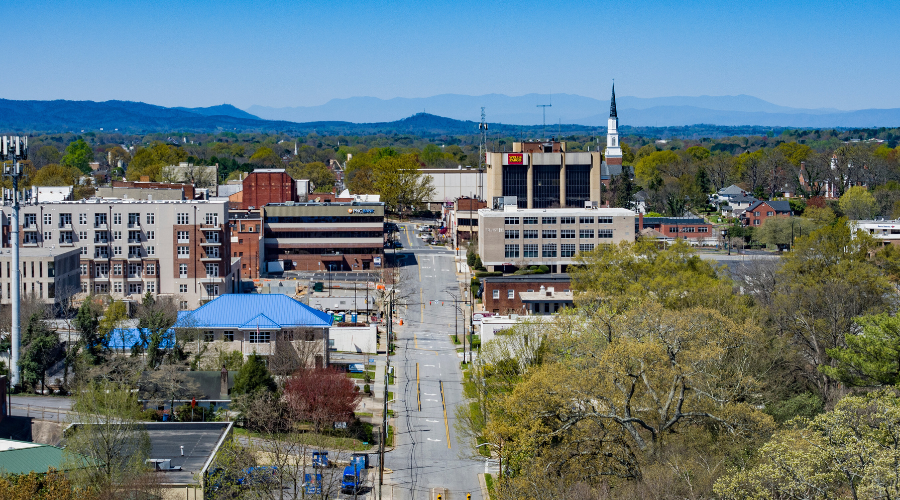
(757, 213)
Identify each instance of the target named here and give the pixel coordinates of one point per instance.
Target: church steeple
(612, 103)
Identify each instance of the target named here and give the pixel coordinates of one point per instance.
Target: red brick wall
(751, 219)
(247, 245)
(503, 304)
(666, 229)
(262, 188)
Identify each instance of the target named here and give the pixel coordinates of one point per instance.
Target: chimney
(640, 222)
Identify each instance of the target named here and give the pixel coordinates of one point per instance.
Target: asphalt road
(429, 452)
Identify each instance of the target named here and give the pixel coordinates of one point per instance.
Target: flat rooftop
(38, 252)
(514, 278)
(556, 211)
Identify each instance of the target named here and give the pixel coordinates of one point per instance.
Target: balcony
(214, 280)
(30, 227)
(101, 256)
(210, 258)
(102, 277)
(134, 277)
(65, 225)
(134, 225)
(66, 242)
(29, 243)
(132, 257)
(209, 227)
(210, 243)
(134, 241)
(101, 226)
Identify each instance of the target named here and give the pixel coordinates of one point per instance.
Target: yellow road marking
(446, 422)
(416, 343)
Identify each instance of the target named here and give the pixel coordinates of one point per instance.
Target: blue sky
(802, 54)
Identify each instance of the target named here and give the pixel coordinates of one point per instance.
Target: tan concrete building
(48, 274)
(130, 247)
(517, 237)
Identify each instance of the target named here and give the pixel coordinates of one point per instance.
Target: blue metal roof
(244, 310)
(126, 338)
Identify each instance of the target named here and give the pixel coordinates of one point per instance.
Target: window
(65, 237)
(212, 219)
(529, 220)
(135, 288)
(510, 294)
(101, 236)
(548, 220)
(259, 337)
(101, 252)
(151, 269)
(756, 222)
(604, 233)
(48, 235)
(65, 220)
(84, 250)
(604, 220)
(515, 183)
(567, 250)
(84, 269)
(212, 270)
(117, 235)
(687, 230)
(117, 269)
(101, 288)
(585, 247)
(702, 229)
(756, 214)
(512, 234)
(212, 290)
(30, 238)
(211, 237)
(567, 234)
(117, 287)
(30, 220)
(585, 233)
(548, 233)
(183, 305)
(48, 219)
(181, 219)
(578, 185)
(586, 220)
(151, 250)
(567, 220)
(134, 270)
(548, 250)
(84, 287)
(546, 186)
(151, 286)
(182, 288)
(182, 273)
(530, 234)
(530, 250)
(511, 220)
(134, 220)
(117, 250)
(496, 294)
(151, 218)
(512, 251)
(82, 235)
(82, 218)
(228, 336)
(101, 271)
(184, 237)
(209, 336)
(117, 218)
(151, 235)
(134, 236)
(213, 252)
(99, 220)
(770, 214)
(184, 252)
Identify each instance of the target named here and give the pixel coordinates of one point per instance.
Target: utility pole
(15, 149)
(387, 368)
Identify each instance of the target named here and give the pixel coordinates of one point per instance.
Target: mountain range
(579, 110)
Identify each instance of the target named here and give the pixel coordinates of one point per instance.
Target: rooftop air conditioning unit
(590, 205)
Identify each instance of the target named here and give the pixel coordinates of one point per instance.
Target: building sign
(377, 261)
(360, 210)
(514, 158)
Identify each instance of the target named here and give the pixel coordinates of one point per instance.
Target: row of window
(137, 288)
(101, 270)
(676, 229)
(65, 220)
(566, 234)
(228, 336)
(512, 221)
(510, 293)
(546, 250)
(102, 252)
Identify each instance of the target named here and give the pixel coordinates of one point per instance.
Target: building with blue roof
(252, 322)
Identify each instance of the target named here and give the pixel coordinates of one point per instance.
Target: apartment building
(322, 236)
(47, 274)
(517, 237)
(246, 231)
(130, 247)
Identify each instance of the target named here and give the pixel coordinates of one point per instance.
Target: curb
(483, 484)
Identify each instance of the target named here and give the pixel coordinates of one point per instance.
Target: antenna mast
(544, 109)
(482, 150)
(15, 150)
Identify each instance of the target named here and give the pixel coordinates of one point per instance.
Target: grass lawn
(454, 339)
(371, 374)
(312, 439)
(489, 482)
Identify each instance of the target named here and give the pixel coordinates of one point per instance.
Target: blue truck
(353, 475)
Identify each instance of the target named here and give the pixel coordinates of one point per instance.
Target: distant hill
(736, 110)
(221, 110)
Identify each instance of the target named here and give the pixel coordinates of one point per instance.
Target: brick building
(130, 247)
(265, 186)
(503, 294)
(246, 231)
(120, 189)
(323, 236)
(691, 228)
(757, 213)
(463, 218)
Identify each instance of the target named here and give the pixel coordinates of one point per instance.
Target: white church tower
(613, 149)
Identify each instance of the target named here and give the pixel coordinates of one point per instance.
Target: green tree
(698, 153)
(90, 338)
(627, 154)
(265, 157)
(156, 319)
(857, 203)
(56, 175)
(871, 357)
(400, 183)
(648, 170)
(150, 161)
(45, 155)
(794, 152)
(782, 231)
(321, 176)
(79, 155)
(253, 376)
(41, 349)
